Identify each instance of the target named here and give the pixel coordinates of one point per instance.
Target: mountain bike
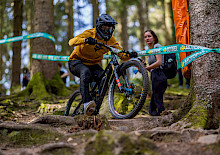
(127, 92)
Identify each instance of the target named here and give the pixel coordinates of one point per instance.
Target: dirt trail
(74, 139)
(33, 133)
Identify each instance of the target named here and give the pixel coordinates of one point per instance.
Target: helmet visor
(107, 30)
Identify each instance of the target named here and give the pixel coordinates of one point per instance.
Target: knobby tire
(70, 101)
(143, 94)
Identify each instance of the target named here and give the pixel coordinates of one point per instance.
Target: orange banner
(181, 22)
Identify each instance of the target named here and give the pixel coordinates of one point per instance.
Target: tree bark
(205, 82)
(17, 31)
(45, 79)
(147, 21)
(204, 31)
(70, 23)
(29, 6)
(140, 8)
(70, 28)
(44, 22)
(124, 26)
(2, 10)
(95, 11)
(169, 24)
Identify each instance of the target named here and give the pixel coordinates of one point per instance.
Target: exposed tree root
(85, 124)
(54, 119)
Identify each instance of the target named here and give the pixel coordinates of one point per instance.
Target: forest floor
(30, 129)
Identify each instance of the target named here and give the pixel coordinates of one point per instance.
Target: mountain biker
(86, 56)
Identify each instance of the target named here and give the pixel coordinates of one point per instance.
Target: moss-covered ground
(26, 137)
(23, 109)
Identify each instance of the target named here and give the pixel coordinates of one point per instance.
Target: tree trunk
(204, 31)
(166, 21)
(45, 77)
(16, 58)
(147, 21)
(70, 29)
(29, 6)
(140, 8)
(2, 10)
(95, 11)
(44, 22)
(70, 21)
(169, 24)
(205, 84)
(124, 26)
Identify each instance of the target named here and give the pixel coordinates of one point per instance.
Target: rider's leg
(80, 70)
(96, 71)
(83, 72)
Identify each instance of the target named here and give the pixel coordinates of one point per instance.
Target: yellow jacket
(91, 54)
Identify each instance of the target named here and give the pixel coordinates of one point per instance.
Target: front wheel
(74, 104)
(127, 103)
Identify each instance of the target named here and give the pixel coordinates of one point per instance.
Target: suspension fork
(126, 80)
(115, 68)
(128, 87)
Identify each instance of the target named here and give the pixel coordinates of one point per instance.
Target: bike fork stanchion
(118, 81)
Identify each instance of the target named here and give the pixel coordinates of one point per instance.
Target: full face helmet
(105, 26)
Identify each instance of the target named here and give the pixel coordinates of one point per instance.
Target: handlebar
(112, 49)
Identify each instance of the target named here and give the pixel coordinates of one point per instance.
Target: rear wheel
(133, 77)
(74, 104)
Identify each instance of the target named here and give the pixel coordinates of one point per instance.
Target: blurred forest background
(72, 17)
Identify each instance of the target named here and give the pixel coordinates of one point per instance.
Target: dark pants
(87, 74)
(159, 86)
(180, 78)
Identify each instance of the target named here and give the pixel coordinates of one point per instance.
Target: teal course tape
(29, 36)
(50, 57)
(57, 57)
(176, 48)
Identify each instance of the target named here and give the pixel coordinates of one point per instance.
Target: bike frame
(110, 73)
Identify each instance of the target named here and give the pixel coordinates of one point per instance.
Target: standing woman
(158, 78)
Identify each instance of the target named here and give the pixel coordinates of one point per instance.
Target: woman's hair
(154, 35)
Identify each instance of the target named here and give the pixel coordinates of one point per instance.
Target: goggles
(107, 29)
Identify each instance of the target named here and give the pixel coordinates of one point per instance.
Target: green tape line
(193, 56)
(162, 50)
(29, 36)
(57, 57)
(50, 57)
(176, 48)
